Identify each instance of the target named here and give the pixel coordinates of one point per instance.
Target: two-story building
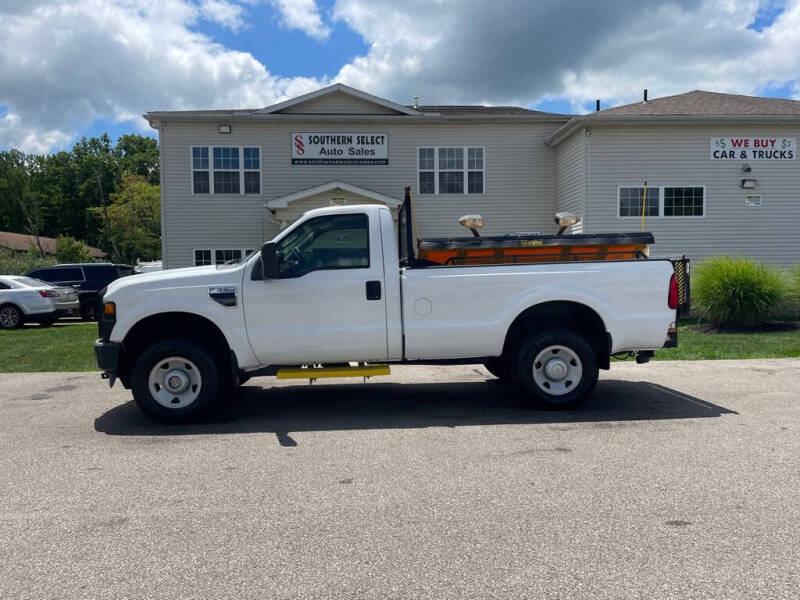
(721, 170)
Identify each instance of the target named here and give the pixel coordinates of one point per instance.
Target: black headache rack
(405, 234)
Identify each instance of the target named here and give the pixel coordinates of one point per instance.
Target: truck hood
(173, 278)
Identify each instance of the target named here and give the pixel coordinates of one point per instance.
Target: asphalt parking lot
(676, 480)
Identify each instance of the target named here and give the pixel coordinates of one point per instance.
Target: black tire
(573, 354)
(88, 312)
(209, 388)
(11, 317)
(497, 366)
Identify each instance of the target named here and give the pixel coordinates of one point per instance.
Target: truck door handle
(373, 290)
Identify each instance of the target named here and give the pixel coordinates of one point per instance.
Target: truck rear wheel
(556, 368)
(175, 381)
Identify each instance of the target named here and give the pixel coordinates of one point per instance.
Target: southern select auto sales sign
(758, 148)
(340, 148)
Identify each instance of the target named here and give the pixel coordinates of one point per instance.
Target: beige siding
(519, 180)
(339, 103)
(569, 159)
(679, 155)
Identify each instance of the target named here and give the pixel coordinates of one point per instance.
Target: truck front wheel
(175, 381)
(497, 366)
(556, 368)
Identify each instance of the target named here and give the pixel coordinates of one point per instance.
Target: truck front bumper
(107, 356)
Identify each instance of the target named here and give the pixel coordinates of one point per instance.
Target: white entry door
(329, 303)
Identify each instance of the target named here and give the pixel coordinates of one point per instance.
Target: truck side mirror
(270, 267)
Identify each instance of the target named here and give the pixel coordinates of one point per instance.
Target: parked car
(87, 278)
(148, 267)
(26, 299)
(125, 270)
(335, 288)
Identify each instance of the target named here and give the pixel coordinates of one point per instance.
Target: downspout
(586, 134)
(161, 128)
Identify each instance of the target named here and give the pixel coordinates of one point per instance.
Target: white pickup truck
(331, 290)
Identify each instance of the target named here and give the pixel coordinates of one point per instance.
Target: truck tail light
(672, 296)
(48, 294)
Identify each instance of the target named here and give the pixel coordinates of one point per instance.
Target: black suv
(87, 278)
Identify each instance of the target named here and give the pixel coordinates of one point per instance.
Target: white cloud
(522, 52)
(223, 12)
(66, 63)
(303, 15)
(31, 139)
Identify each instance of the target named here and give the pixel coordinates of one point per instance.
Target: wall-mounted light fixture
(748, 184)
(224, 128)
(746, 168)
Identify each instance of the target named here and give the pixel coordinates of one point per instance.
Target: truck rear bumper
(106, 355)
(672, 339)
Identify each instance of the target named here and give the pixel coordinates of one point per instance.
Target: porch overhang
(333, 186)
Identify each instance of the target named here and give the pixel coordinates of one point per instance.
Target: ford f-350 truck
(331, 290)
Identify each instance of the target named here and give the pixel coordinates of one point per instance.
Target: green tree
(12, 187)
(138, 155)
(70, 250)
(57, 194)
(135, 219)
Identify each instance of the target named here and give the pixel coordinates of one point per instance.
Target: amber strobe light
(110, 309)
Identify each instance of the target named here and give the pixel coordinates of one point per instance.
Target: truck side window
(329, 242)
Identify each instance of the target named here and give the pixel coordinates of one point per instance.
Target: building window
(200, 171)
(632, 198)
(662, 201)
(451, 170)
(475, 170)
(683, 201)
(252, 170)
(226, 170)
(224, 256)
(427, 171)
(219, 256)
(455, 170)
(202, 258)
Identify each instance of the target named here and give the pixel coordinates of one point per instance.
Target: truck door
(328, 305)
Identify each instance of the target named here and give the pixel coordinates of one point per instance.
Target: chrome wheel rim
(9, 317)
(557, 370)
(175, 382)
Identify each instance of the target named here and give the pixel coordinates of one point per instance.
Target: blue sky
(84, 67)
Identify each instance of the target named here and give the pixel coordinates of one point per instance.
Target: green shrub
(19, 263)
(70, 250)
(736, 292)
(793, 301)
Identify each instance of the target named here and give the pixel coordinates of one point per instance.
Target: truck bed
(463, 311)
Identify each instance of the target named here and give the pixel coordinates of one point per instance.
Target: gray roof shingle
(452, 109)
(700, 103)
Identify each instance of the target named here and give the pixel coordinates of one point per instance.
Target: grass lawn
(699, 345)
(58, 348)
(69, 347)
